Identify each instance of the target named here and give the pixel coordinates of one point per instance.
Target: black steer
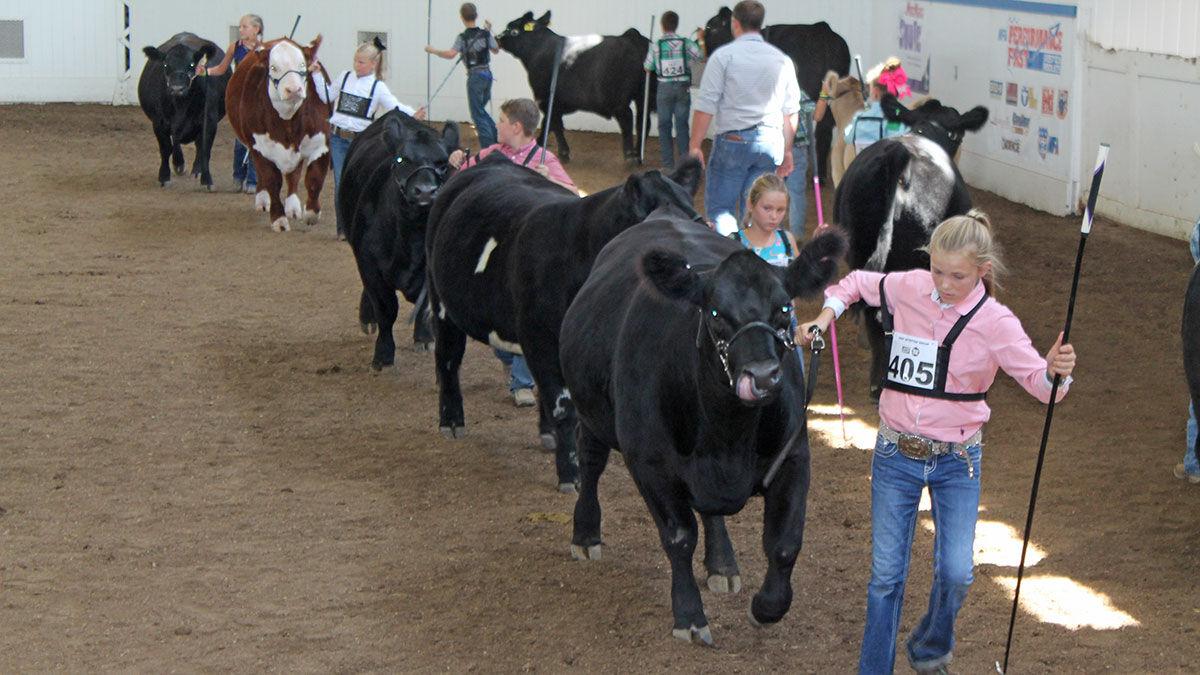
(676, 354)
(1191, 339)
(815, 49)
(393, 172)
(182, 107)
(507, 252)
(896, 191)
(598, 74)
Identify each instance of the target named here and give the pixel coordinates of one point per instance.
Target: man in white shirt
(750, 88)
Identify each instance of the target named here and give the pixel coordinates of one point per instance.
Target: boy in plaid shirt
(669, 58)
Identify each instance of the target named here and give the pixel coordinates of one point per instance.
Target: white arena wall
(1128, 70)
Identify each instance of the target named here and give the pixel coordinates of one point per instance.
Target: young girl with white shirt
(946, 337)
(358, 96)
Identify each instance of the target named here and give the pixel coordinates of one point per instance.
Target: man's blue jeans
(896, 484)
(519, 375)
(797, 183)
(479, 92)
(738, 157)
(243, 166)
(674, 102)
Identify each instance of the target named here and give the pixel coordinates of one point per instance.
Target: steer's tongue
(745, 388)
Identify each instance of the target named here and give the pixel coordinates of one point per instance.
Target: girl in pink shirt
(948, 337)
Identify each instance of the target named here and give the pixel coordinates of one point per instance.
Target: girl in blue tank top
(766, 208)
(250, 38)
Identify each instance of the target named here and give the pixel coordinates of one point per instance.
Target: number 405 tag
(913, 361)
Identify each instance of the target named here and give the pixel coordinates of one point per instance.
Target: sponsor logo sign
(1012, 145)
(1010, 93)
(1061, 107)
(1026, 93)
(911, 47)
(996, 89)
(1020, 123)
(1047, 144)
(1034, 47)
(1047, 101)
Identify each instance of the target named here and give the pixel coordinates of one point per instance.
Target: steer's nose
(424, 195)
(766, 374)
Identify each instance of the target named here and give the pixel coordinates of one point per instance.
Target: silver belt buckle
(915, 447)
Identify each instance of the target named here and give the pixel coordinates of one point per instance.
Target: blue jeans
(519, 376)
(338, 147)
(479, 92)
(243, 166)
(797, 183)
(1189, 457)
(674, 102)
(738, 157)
(896, 483)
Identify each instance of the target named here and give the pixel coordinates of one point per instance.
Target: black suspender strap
(530, 155)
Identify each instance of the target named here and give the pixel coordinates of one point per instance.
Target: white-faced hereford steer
(273, 108)
(184, 108)
(507, 251)
(674, 351)
(393, 171)
(600, 74)
(896, 191)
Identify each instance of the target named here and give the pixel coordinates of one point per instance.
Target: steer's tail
(816, 265)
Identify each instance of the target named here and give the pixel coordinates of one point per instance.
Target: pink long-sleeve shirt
(993, 339)
(518, 155)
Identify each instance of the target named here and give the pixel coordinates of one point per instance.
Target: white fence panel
(68, 50)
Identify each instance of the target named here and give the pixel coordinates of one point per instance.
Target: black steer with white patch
(507, 252)
(600, 74)
(393, 172)
(895, 193)
(676, 351)
(815, 49)
(183, 107)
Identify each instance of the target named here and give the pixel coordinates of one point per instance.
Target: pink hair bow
(896, 81)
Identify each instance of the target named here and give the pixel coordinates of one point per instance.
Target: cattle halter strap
(783, 335)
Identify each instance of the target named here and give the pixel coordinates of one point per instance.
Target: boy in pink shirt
(518, 121)
(946, 338)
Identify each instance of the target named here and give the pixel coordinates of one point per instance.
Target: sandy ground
(200, 472)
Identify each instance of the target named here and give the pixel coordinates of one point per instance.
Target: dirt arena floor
(199, 472)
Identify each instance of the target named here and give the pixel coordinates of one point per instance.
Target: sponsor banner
(1032, 47)
(911, 46)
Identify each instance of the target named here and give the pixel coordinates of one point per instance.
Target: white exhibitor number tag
(913, 361)
(672, 67)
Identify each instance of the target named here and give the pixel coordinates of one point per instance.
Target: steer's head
(745, 308)
(287, 73)
(420, 162)
(718, 30)
(522, 35)
(644, 192)
(939, 123)
(179, 65)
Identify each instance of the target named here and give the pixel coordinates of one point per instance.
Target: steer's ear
(688, 174)
(544, 19)
(153, 54)
(973, 119)
(310, 53)
(450, 137)
(206, 52)
(812, 270)
(635, 192)
(725, 12)
(672, 276)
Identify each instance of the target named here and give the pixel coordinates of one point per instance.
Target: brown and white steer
(846, 99)
(274, 109)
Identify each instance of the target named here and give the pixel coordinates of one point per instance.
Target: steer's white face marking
(495, 341)
(923, 193)
(286, 63)
(288, 159)
(487, 253)
(576, 45)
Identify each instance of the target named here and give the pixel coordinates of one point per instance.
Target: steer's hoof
(585, 552)
(281, 224)
(454, 431)
(700, 636)
(163, 183)
(311, 217)
(549, 442)
(568, 488)
(753, 621)
(292, 208)
(719, 583)
(262, 201)
(367, 328)
(422, 346)
(178, 170)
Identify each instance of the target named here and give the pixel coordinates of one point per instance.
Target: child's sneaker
(1182, 474)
